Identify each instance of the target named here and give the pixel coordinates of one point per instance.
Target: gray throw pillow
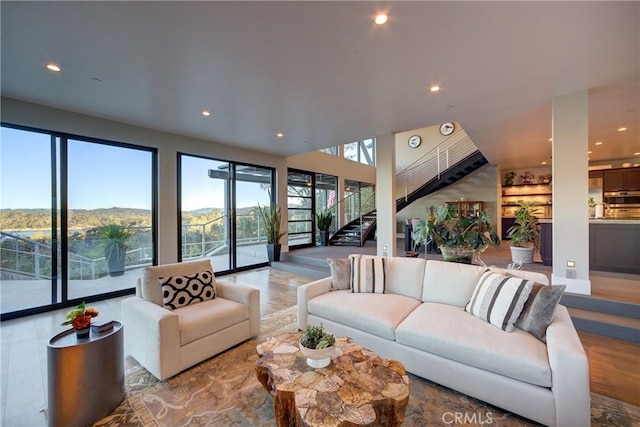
(539, 309)
(340, 273)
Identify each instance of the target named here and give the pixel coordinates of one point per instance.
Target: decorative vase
(273, 252)
(83, 333)
(317, 358)
(457, 254)
(522, 255)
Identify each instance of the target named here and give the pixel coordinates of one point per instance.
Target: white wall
(38, 116)
(320, 162)
(406, 155)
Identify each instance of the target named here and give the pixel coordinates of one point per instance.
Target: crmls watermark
(479, 418)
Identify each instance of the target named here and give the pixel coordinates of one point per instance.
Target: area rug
(224, 391)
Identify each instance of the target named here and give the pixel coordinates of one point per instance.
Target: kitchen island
(614, 244)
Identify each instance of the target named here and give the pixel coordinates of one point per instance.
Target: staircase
(362, 228)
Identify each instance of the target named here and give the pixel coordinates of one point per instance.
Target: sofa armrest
(152, 336)
(244, 295)
(307, 292)
(569, 371)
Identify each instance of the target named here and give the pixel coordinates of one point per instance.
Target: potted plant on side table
(461, 239)
(271, 218)
(323, 222)
(525, 233)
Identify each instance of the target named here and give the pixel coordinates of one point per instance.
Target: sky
(102, 176)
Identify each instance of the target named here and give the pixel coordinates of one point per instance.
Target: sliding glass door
(219, 219)
(69, 205)
(300, 207)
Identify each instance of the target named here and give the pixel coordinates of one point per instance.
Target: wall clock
(446, 129)
(414, 141)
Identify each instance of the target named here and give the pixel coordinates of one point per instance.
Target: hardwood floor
(614, 364)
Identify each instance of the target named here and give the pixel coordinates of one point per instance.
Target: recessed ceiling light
(53, 67)
(206, 113)
(636, 154)
(599, 143)
(381, 19)
(434, 88)
(550, 139)
(279, 134)
(622, 129)
(543, 163)
(589, 152)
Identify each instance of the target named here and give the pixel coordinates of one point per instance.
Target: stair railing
(437, 160)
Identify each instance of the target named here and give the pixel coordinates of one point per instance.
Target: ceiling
(324, 74)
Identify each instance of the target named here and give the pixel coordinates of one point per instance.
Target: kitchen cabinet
(626, 179)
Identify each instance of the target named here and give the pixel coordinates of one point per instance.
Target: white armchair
(167, 342)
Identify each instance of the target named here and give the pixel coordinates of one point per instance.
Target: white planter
(522, 255)
(317, 358)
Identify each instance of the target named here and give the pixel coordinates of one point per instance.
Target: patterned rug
(224, 391)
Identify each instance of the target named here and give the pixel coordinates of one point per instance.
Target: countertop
(598, 221)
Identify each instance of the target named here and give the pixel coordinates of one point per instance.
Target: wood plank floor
(614, 364)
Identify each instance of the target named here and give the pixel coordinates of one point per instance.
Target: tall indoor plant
(115, 249)
(323, 222)
(524, 234)
(460, 238)
(271, 219)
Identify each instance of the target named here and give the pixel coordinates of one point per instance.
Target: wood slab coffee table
(357, 388)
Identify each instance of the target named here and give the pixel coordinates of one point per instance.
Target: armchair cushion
(196, 321)
(178, 291)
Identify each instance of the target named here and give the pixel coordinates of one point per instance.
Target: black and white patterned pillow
(178, 291)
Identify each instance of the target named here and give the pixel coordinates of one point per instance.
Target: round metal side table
(86, 376)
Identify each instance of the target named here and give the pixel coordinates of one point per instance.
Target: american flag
(331, 200)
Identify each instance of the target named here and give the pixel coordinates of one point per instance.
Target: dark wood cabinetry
(546, 243)
(622, 179)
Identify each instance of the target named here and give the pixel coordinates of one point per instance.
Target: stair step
(590, 303)
(302, 269)
(298, 259)
(620, 327)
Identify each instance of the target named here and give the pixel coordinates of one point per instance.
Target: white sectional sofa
(420, 320)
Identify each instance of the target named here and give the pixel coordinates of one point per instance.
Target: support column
(570, 192)
(385, 200)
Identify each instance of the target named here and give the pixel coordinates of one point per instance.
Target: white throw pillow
(179, 291)
(368, 274)
(499, 299)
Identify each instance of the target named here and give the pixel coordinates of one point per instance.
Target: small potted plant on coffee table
(317, 346)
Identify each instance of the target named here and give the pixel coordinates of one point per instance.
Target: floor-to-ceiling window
(77, 219)
(219, 217)
(300, 207)
(326, 190)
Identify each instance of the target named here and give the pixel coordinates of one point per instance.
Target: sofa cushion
(150, 288)
(178, 291)
(405, 276)
(200, 320)
(368, 274)
(499, 299)
(340, 273)
(539, 309)
(378, 314)
(449, 282)
(452, 333)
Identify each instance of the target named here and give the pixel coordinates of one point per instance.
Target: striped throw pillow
(499, 299)
(368, 274)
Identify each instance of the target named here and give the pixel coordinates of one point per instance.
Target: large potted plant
(323, 222)
(524, 234)
(115, 249)
(460, 239)
(271, 219)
